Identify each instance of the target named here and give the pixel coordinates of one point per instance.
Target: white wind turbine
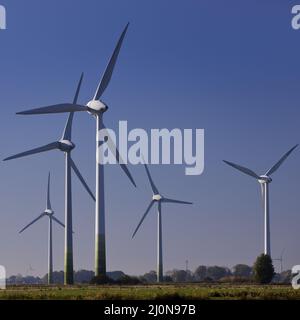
(65, 145)
(50, 214)
(159, 199)
(264, 181)
(96, 108)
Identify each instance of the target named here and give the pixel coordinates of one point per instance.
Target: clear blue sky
(230, 67)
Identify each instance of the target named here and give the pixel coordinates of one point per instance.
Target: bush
(263, 269)
(101, 280)
(128, 280)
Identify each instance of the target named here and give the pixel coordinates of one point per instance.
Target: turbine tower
(264, 181)
(65, 145)
(159, 199)
(96, 108)
(50, 214)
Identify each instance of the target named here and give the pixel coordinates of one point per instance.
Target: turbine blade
(32, 222)
(58, 108)
(47, 147)
(80, 177)
(143, 218)
(153, 187)
(280, 162)
(243, 169)
(110, 67)
(59, 222)
(166, 200)
(114, 150)
(48, 194)
(67, 135)
(78, 89)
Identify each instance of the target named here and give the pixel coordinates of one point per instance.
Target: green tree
(263, 269)
(200, 273)
(242, 270)
(216, 272)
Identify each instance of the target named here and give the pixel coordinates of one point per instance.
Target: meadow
(152, 292)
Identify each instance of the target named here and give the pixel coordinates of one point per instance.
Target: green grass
(153, 292)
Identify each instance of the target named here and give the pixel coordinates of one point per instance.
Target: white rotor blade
(58, 108)
(67, 135)
(166, 200)
(143, 218)
(59, 222)
(153, 186)
(280, 162)
(48, 147)
(80, 177)
(48, 194)
(114, 150)
(110, 67)
(243, 169)
(78, 89)
(32, 222)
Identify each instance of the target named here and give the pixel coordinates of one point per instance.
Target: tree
(150, 277)
(263, 269)
(242, 270)
(216, 272)
(200, 273)
(178, 275)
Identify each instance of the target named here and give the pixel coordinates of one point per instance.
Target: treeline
(204, 274)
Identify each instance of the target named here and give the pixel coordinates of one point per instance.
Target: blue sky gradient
(230, 67)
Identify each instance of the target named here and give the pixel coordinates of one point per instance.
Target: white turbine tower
(65, 145)
(50, 214)
(96, 108)
(264, 181)
(159, 199)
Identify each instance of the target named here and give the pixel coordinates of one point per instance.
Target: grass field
(153, 292)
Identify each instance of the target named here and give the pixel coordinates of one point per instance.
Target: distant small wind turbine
(30, 270)
(50, 214)
(65, 145)
(281, 260)
(159, 199)
(96, 107)
(264, 181)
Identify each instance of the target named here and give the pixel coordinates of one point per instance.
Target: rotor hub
(66, 145)
(49, 212)
(265, 179)
(97, 107)
(157, 197)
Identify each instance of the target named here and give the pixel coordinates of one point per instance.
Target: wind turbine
(264, 181)
(65, 145)
(96, 108)
(281, 261)
(50, 214)
(159, 199)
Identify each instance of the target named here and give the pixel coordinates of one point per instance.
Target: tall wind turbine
(159, 199)
(65, 145)
(96, 108)
(50, 214)
(264, 181)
